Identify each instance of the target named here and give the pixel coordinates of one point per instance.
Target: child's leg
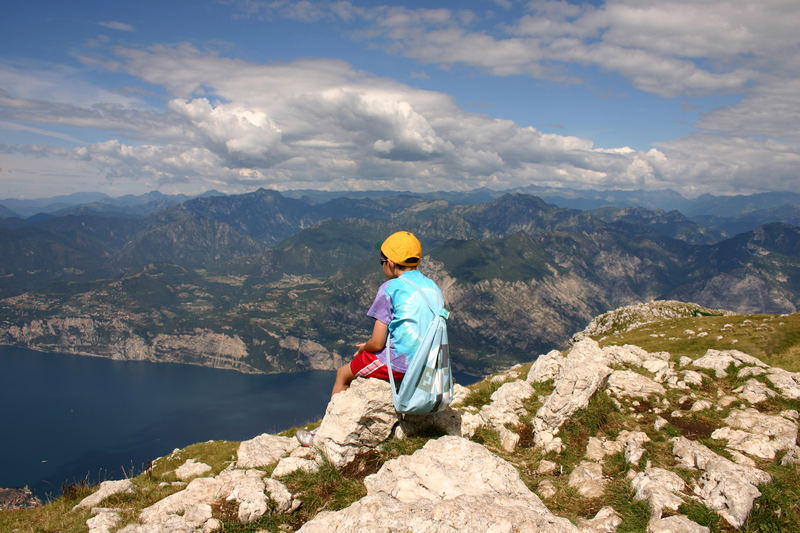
(344, 377)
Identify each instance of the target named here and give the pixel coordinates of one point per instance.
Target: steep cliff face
(519, 274)
(116, 339)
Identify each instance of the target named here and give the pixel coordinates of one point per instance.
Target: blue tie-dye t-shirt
(400, 306)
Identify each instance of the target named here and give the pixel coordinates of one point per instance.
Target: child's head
(403, 249)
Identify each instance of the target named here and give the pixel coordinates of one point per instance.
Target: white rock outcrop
(356, 420)
(107, 488)
(580, 377)
(720, 360)
(451, 484)
(264, 450)
(191, 468)
(724, 486)
(628, 383)
(757, 434)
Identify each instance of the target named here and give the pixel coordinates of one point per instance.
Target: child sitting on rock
(401, 318)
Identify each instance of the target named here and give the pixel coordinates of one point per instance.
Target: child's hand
(360, 349)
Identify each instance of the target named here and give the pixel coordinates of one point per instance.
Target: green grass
(775, 339)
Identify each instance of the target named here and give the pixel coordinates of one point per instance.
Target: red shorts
(366, 365)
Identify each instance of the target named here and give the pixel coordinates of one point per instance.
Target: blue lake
(64, 418)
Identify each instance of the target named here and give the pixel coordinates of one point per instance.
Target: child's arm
(380, 332)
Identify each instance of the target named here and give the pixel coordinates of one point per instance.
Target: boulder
(450, 484)
(756, 433)
(506, 406)
(546, 489)
(587, 478)
(629, 442)
(719, 361)
(605, 521)
(692, 378)
(546, 367)
(629, 383)
(627, 355)
(264, 450)
(103, 521)
(754, 391)
(787, 382)
(725, 487)
(255, 496)
(107, 488)
(304, 459)
(191, 468)
(356, 420)
(579, 378)
(661, 488)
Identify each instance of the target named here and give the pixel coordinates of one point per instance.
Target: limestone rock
(356, 420)
(633, 451)
(692, 378)
(198, 515)
(264, 450)
(719, 361)
(507, 375)
(629, 383)
(675, 524)
(255, 496)
(104, 521)
(579, 378)
(546, 367)
(757, 434)
(191, 468)
(792, 457)
(546, 489)
(451, 484)
(508, 439)
(287, 465)
(655, 365)
(506, 406)
(700, 405)
(587, 479)
(605, 521)
(627, 355)
(628, 441)
(107, 488)
(749, 371)
(200, 490)
(660, 488)
(460, 393)
(754, 391)
(726, 487)
(546, 467)
(787, 382)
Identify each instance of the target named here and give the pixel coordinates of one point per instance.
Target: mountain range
(264, 282)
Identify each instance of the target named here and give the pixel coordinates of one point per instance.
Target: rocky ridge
(557, 445)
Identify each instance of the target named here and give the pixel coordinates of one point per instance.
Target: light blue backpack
(428, 383)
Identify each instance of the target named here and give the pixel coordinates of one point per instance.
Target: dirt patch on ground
(525, 433)
(691, 428)
(362, 466)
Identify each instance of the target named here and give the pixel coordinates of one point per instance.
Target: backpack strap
(441, 312)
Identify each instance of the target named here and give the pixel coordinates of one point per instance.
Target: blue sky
(187, 96)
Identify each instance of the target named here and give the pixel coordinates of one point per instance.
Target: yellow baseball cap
(403, 248)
